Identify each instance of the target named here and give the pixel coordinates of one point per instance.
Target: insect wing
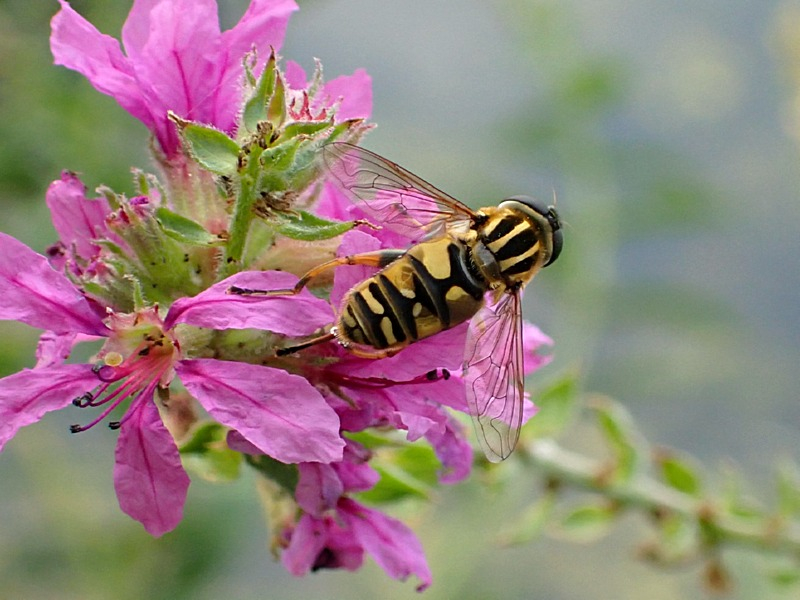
(391, 195)
(494, 375)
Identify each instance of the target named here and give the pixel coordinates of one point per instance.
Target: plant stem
(649, 495)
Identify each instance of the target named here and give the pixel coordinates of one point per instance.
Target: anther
(84, 400)
(114, 425)
(75, 428)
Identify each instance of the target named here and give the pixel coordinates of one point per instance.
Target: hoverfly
(461, 265)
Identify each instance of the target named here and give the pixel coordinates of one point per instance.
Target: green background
(668, 132)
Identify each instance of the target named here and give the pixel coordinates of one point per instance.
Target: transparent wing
(494, 376)
(391, 196)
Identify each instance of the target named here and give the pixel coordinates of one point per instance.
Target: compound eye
(537, 205)
(558, 241)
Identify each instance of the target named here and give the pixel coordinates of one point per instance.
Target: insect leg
(312, 342)
(378, 258)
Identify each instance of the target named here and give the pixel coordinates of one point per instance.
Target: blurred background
(667, 131)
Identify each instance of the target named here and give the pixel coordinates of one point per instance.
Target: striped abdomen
(430, 288)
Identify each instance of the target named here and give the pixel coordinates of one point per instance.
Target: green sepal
(255, 109)
(212, 149)
(139, 303)
(311, 228)
(184, 229)
(276, 107)
(146, 183)
(587, 523)
(208, 455)
(304, 128)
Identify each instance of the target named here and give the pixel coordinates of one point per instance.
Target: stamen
(137, 376)
(382, 382)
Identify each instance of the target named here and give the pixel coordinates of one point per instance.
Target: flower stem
(649, 495)
(239, 224)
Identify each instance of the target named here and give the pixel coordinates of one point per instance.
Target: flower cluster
(238, 200)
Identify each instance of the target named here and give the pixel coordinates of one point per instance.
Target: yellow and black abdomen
(430, 288)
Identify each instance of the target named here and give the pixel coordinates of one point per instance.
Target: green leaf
(370, 439)
(185, 230)
(207, 454)
(419, 461)
(622, 437)
(733, 499)
(788, 489)
(406, 471)
(211, 148)
(678, 474)
(785, 576)
(310, 228)
(678, 537)
(587, 523)
(557, 407)
(531, 523)
(395, 484)
(283, 474)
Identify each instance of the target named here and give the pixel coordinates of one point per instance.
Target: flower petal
(32, 292)
(308, 539)
(297, 315)
(281, 414)
(445, 350)
(354, 92)
(149, 479)
(262, 26)
(175, 64)
(26, 396)
(354, 471)
(393, 545)
(79, 46)
(321, 544)
(77, 219)
(318, 488)
(54, 348)
(453, 451)
(532, 340)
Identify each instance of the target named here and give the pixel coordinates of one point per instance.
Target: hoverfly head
(546, 217)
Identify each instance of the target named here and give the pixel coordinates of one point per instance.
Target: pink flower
(335, 531)
(177, 59)
(279, 413)
(351, 94)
